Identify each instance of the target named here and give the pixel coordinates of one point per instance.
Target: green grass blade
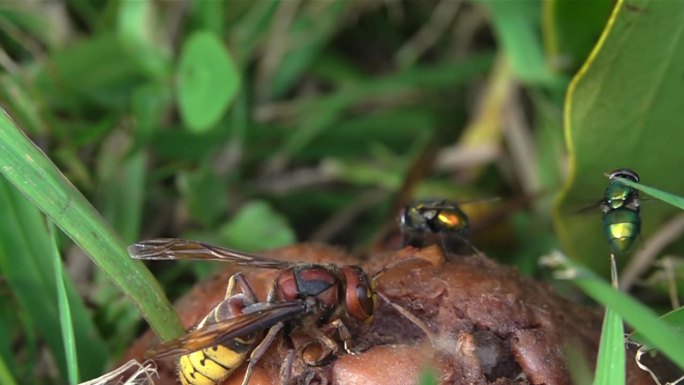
(10, 324)
(674, 318)
(321, 113)
(515, 23)
(659, 334)
(27, 167)
(666, 197)
(24, 248)
(610, 364)
(5, 374)
(64, 311)
(26, 264)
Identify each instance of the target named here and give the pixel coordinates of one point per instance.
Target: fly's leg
(458, 244)
(259, 351)
(413, 238)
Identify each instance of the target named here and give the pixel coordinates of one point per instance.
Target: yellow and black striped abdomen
(213, 365)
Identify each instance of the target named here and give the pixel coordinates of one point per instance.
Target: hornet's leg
(286, 367)
(409, 316)
(233, 302)
(259, 351)
(345, 335)
(320, 336)
(245, 287)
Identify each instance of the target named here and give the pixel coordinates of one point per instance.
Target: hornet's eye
(366, 299)
(359, 298)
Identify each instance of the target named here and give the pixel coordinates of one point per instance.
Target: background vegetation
(257, 124)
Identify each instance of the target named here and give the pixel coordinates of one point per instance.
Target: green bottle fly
(436, 221)
(621, 212)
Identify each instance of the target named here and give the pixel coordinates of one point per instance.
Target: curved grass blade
(64, 311)
(674, 318)
(27, 167)
(666, 197)
(658, 333)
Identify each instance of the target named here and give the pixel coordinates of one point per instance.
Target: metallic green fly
(621, 213)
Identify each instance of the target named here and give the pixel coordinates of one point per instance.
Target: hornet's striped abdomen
(212, 365)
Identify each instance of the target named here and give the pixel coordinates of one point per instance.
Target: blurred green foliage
(256, 124)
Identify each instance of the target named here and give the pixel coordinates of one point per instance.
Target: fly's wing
(473, 201)
(592, 207)
(176, 248)
(223, 331)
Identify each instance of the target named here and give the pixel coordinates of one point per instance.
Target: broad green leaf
(208, 80)
(38, 178)
(257, 226)
(623, 110)
(567, 42)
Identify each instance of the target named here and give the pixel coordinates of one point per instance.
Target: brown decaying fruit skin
(491, 324)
